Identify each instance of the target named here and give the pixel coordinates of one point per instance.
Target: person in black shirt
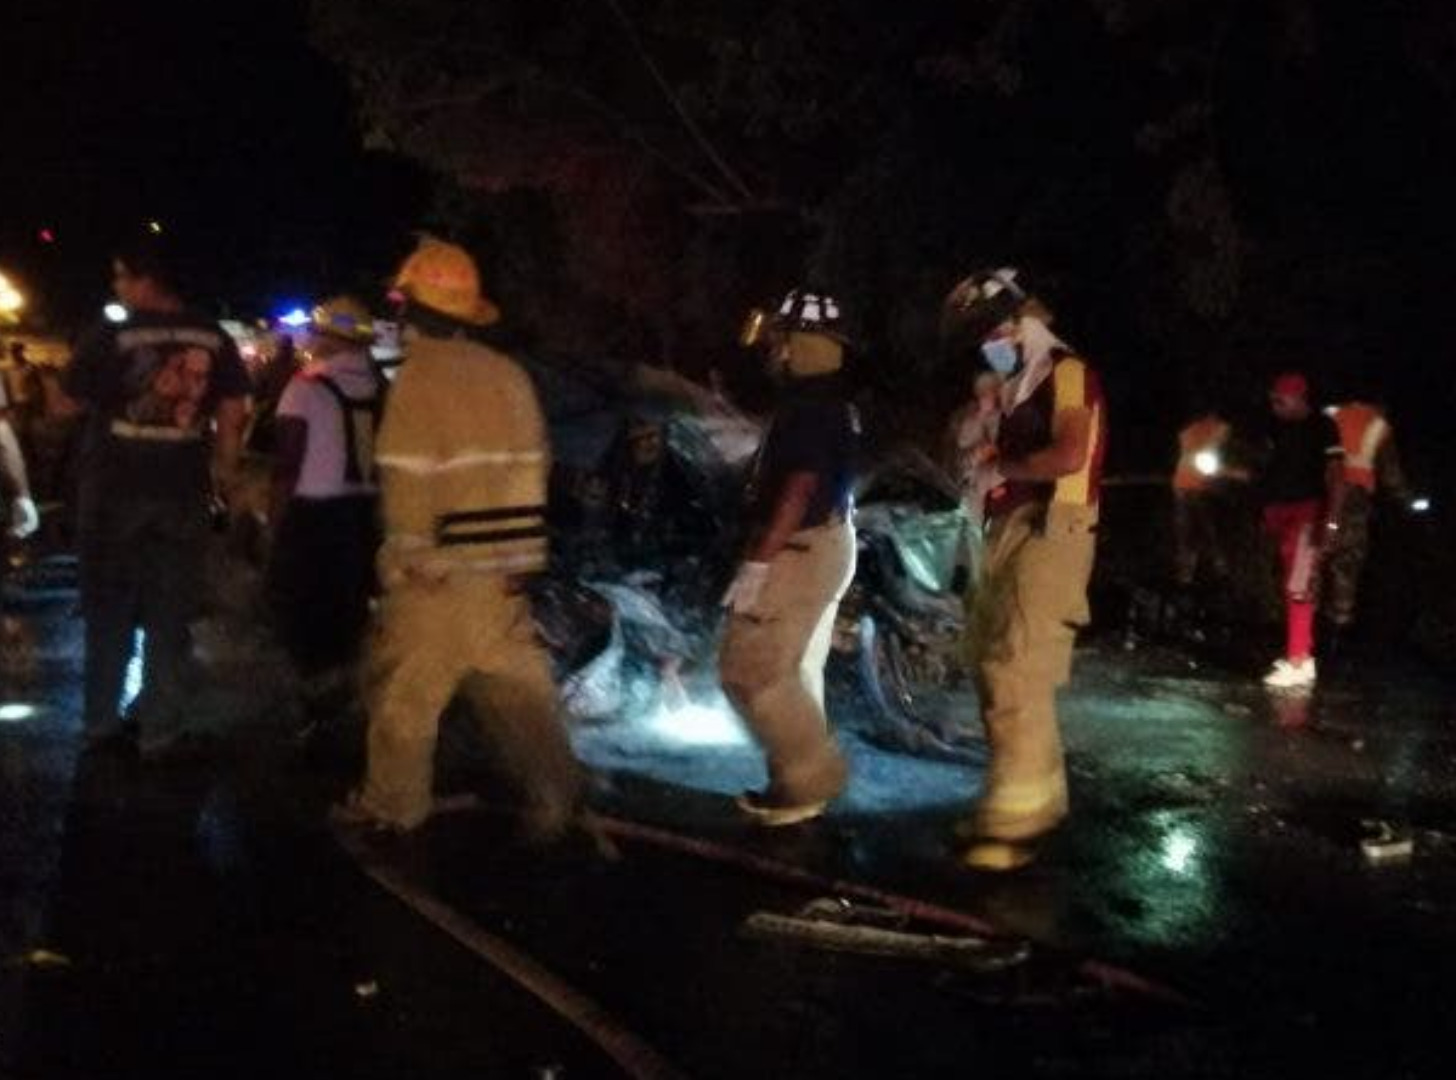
(799, 562)
(1302, 485)
(166, 401)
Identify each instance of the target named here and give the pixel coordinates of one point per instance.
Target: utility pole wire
(630, 131)
(688, 122)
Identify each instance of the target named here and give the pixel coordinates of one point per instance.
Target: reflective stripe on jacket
(463, 462)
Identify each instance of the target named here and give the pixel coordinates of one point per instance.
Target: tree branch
(416, 105)
(632, 134)
(688, 122)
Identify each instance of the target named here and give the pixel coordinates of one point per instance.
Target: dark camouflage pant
(1344, 557)
(1198, 545)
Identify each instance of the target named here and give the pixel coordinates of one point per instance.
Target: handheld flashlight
(1207, 462)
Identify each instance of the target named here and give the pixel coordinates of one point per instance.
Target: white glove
(24, 518)
(742, 595)
(990, 478)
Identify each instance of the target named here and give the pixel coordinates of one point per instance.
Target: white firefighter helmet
(809, 312)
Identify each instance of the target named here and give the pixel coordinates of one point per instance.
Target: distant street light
(12, 302)
(154, 227)
(115, 313)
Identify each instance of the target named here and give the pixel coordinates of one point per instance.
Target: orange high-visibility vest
(1205, 433)
(1362, 431)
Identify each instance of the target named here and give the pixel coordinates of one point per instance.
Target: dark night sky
(221, 121)
(217, 120)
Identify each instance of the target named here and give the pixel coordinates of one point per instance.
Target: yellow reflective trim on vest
(516, 563)
(1069, 391)
(1364, 456)
(422, 464)
(124, 429)
(1362, 430)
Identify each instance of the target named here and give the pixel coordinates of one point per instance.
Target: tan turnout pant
(772, 663)
(1030, 602)
(475, 635)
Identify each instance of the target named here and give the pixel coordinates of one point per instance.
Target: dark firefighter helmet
(980, 302)
(811, 312)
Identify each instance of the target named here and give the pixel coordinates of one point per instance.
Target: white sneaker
(1285, 675)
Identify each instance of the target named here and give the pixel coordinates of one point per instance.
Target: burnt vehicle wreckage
(646, 504)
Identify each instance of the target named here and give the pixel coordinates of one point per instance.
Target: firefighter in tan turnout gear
(1032, 593)
(798, 563)
(462, 457)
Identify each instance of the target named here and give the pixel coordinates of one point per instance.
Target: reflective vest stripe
(124, 429)
(1362, 430)
(472, 526)
(418, 549)
(420, 464)
(489, 536)
(1370, 444)
(1074, 387)
(504, 513)
(1077, 488)
(1301, 570)
(490, 564)
(502, 564)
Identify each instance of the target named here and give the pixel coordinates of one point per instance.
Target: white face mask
(1002, 355)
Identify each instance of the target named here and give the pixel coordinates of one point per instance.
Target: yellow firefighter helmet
(343, 317)
(444, 278)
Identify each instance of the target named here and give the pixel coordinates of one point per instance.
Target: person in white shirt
(321, 572)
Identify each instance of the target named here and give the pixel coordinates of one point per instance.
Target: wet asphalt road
(198, 919)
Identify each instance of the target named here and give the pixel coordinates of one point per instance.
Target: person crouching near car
(799, 562)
